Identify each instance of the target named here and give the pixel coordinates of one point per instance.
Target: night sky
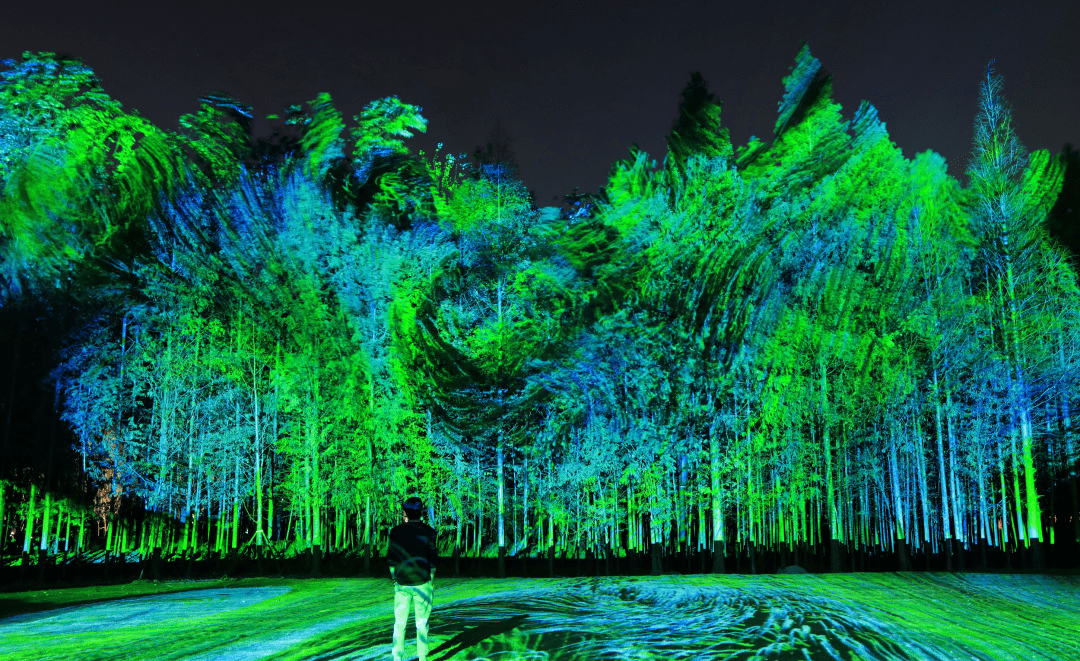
(575, 84)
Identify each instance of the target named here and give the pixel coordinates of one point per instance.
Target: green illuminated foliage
(82, 186)
(381, 126)
(807, 343)
(478, 202)
(322, 140)
(217, 138)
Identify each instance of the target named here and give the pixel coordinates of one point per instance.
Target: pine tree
(1012, 195)
(697, 129)
(810, 141)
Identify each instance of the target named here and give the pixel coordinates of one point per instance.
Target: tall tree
(1012, 195)
(697, 129)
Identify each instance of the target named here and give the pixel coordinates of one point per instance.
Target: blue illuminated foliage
(806, 341)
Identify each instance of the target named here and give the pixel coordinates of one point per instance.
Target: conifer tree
(697, 129)
(810, 139)
(1012, 196)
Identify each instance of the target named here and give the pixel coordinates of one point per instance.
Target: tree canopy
(811, 342)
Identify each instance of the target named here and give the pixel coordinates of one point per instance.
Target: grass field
(835, 616)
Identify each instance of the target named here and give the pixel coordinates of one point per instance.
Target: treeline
(803, 345)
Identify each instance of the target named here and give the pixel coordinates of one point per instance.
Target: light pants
(420, 596)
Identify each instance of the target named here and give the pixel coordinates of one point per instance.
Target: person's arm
(433, 554)
(391, 557)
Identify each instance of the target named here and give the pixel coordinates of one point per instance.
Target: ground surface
(845, 616)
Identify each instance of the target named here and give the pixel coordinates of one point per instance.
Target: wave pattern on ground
(628, 619)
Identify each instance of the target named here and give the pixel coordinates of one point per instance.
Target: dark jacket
(412, 552)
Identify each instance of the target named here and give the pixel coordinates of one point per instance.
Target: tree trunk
(525, 546)
(943, 485)
(830, 499)
(959, 537)
(3, 537)
(367, 538)
(190, 472)
(921, 482)
(1022, 401)
(551, 537)
(477, 538)
(43, 547)
(258, 476)
(1034, 512)
(236, 508)
(901, 534)
(1020, 532)
(984, 522)
(457, 547)
(717, 503)
(656, 539)
(1067, 433)
(502, 510)
(29, 531)
(1004, 510)
(195, 524)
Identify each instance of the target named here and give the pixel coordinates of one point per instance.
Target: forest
(808, 349)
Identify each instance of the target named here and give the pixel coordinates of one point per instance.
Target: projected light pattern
(628, 619)
(157, 609)
(625, 619)
(860, 616)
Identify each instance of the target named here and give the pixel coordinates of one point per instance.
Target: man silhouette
(412, 557)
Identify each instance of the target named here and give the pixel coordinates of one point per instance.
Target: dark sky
(575, 84)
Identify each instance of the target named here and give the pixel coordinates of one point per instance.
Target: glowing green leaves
(446, 175)
(998, 157)
(43, 86)
(632, 181)
(217, 137)
(801, 89)
(404, 193)
(82, 184)
(811, 139)
(477, 202)
(382, 124)
(321, 142)
(1041, 184)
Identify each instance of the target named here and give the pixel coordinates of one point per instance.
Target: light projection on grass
(635, 619)
(868, 617)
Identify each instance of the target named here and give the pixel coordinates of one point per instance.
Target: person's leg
(423, 599)
(402, 598)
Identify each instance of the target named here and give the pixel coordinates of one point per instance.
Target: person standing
(412, 556)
